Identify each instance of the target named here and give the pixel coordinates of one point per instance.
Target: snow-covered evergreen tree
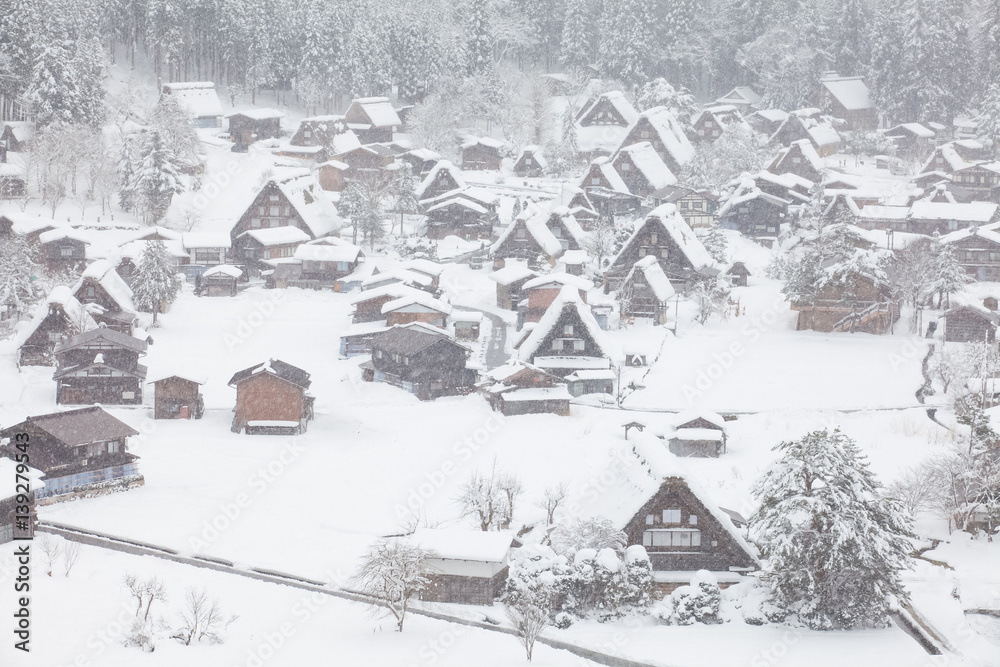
(715, 243)
(19, 274)
(155, 284)
(576, 49)
(404, 191)
(626, 41)
(949, 274)
(711, 298)
(128, 195)
(660, 93)
(834, 546)
(53, 93)
(157, 178)
(479, 48)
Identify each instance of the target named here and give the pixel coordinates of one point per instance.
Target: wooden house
(255, 246)
(416, 306)
(659, 126)
(698, 434)
(482, 154)
(328, 262)
(207, 248)
(81, 452)
(442, 179)
(767, 121)
(365, 159)
(99, 366)
(665, 235)
(610, 108)
(712, 122)
(13, 174)
(857, 300)
(698, 207)
(912, 139)
(421, 160)
(801, 159)
(970, 323)
(252, 125)
(567, 338)
(738, 274)
(464, 566)
(532, 237)
(531, 162)
(978, 251)
(130, 255)
(290, 201)
(645, 292)
(926, 217)
(519, 388)
(807, 124)
(18, 511)
(683, 531)
(420, 359)
(846, 97)
(64, 248)
(425, 267)
(198, 99)
(510, 283)
(460, 216)
(581, 208)
(111, 298)
(271, 399)
(642, 170)
(330, 133)
(591, 381)
(743, 98)
(177, 397)
(368, 304)
(373, 119)
(61, 316)
(980, 180)
(754, 213)
(606, 188)
(220, 280)
(467, 324)
(538, 294)
(356, 339)
(332, 175)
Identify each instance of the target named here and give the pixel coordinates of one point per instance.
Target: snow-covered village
(499, 332)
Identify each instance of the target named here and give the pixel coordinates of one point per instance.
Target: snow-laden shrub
(695, 603)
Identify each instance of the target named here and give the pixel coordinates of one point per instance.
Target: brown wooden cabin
(660, 128)
(442, 179)
(713, 121)
(756, 214)
(767, 121)
(373, 119)
(482, 154)
(510, 282)
(531, 162)
(219, 280)
(641, 169)
(247, 127)
(421, 360)
(82, 452)
(859, 306)
(464, 566)
(63, 248)
(368, 305)
(462, 217)
(800, 159)
(59, 317)
(370, 157)
(519, 388)
(980, 181)
(682, 533)
(645, 292)
(99, 366)
(978, 251)
(539, 293)
(270, 208)
(698, 435)
(319, 131)
(846, 97)
(567, 338)
(699, 208)
(416, 307)
(177, 397)
(332, 175)
(609, 108)
(663, 233)
(970, 324)
(738, 274)
(101, 285)
(466, 324)
(207, 248)
(272, 398)
(327, 264)
(808, 125)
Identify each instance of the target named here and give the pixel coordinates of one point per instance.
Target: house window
(406, 361)
(652, 238)
(557, 344)
(273, 198)
(715, 133)
(685, 205)
(625, 166)
(91, 291)
(595, 181)
(378, 354)
(649, 519)
(114, 447)
(255, 223)
(664, 253)
(66, 250)
(796, 160)
(521, 233)
(307, 134)
(274, 212)
(568, 330)
(672, 516)
(693, 519)
(262, 210)
(578, 345)
(671, 537)
(644, 134)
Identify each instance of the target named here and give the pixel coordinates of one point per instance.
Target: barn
(464, 566)
(178, 397)
(272, 399)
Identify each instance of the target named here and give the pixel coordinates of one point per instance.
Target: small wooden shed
(177, 397)
(220, 280)
(738, 274)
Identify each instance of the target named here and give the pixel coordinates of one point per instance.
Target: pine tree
(19, 273)
(626, 41)
(834, 545)
(989, 43)
(53, 95)
(157, 180)
(405, 193)
(155, 283)
(576, 48)
(127, 180)
(715, 243)
(479, 50)
(949, 275)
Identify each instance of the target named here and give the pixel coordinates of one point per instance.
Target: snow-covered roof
(511, 273)
(277, 235)
(379, 111)
(594, 374)
(698, 434)
(569, 297)
(916, 129)
(655, 277)
(534, 221)
(425, 266)
(619, 102)
(823, 134)
(135, 249)
(611, 175)
(978, 212)
(851, 92)
(104, 274)
(62, 233)
(322, 252)
(62, 296)
(739, 95)
(810, 154)
(189, 376)
(223, 270)
(559, 392)
(310, 201)
(458, 544)
(393, 290)
(668, 219)
(441, 165)
(648, 161)
(458, 201)
(578, 282)
(11, 469)
(989, 232)
(193, 240)
(670, 133)
(258, 114)
(689, 416)
(482, 141)
(198, 98)
(417, 298)
(397, 275)
(773, 115)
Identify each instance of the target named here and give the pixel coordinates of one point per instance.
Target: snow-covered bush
(695, 603)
